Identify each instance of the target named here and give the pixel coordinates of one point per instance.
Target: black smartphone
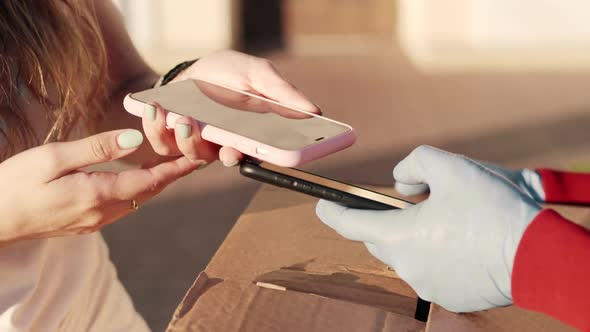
(320, 187)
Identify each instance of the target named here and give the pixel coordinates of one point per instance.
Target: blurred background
(498, 80)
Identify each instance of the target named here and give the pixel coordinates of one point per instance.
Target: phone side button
(285, 182)
(302, 186)
(335, 196)
(305, 187)
(322, 192)
(244, 148)
(261, 151)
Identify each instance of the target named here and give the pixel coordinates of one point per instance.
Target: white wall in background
(167, 30)
(532, 23)
(520, 34)
(141, 19)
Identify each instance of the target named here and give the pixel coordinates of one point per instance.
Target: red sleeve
(552, 268)
(565, 187)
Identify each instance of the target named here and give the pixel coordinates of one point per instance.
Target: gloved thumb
(410, 189)
(423, 166)
(360, 225)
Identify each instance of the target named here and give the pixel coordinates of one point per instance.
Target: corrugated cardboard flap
(218, 305)
(330, 284)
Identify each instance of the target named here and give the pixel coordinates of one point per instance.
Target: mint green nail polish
(130, 139)
(149, 112)
(203, 165)
(183, 130)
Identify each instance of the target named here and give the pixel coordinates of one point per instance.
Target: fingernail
(149, 112)
(183, 130)
(232, 164)
(203, 165)
(130, 139)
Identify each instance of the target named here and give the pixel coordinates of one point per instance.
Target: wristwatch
(172, 73)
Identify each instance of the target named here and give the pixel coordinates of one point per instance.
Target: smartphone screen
(244, 114)
(314, 185)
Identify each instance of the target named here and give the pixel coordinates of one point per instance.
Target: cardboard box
(280, 269)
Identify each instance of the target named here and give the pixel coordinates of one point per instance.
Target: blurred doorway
(261, 25)
(317, 27)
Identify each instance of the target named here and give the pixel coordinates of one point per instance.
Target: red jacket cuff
(551, 269)
(565, 187)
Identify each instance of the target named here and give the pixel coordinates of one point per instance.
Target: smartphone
(254, 125)
(320, 187)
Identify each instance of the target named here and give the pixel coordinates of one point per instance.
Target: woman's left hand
(232, 69)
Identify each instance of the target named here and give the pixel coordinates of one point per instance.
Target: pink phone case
(259, 150)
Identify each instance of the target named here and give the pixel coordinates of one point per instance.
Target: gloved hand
(457, 247)
(526, 179)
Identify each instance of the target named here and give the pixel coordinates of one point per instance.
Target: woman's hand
(228, 68)
(457, 247)
(45, 195)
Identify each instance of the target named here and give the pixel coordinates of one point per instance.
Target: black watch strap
(172, 73)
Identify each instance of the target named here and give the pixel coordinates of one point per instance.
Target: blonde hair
(55, 48)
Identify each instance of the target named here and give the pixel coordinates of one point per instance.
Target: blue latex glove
(457, 247)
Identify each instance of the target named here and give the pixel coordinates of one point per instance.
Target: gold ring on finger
(134, 205)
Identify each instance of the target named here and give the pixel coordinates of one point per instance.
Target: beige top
(64, 283)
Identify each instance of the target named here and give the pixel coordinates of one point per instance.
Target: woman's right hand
(45, 194)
